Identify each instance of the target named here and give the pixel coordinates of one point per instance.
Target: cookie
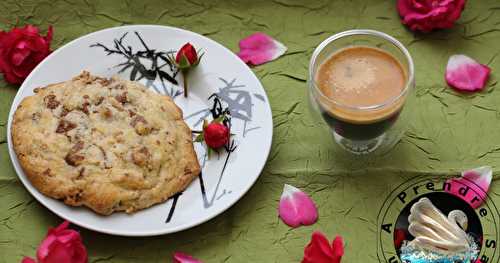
(108, 144)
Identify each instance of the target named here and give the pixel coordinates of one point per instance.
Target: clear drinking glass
(381, 134)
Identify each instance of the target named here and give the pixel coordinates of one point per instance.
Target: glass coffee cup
(362, 82)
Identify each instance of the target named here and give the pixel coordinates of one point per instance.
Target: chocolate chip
(77, 147)
(73, 158)
(85, 108)
(65, 126)
(122, 97)
(138, 119)
(131, 113)
(74, 198)
(80, 173)
(141, 156)
(140, 125)
(50, 101)
(47, 172)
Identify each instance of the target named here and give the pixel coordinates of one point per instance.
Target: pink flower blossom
(60, 245)
(21, 49)
(426, 15)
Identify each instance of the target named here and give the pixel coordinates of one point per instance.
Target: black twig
(135, 62)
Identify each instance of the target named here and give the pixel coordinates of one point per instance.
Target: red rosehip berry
(216, 135)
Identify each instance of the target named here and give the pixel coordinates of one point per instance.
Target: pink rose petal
(260, 48)
(180, 257)
(473, 186)
(297, 208)
(465, 74)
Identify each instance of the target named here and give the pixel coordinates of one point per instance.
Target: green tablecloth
(450, 132)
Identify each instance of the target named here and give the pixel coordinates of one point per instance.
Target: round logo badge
(434, 219)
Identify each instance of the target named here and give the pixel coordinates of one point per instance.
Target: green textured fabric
(450, 132)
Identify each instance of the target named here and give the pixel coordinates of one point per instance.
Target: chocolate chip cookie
(108, 144)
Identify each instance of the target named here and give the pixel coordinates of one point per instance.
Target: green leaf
(199, 59)
(199, 138)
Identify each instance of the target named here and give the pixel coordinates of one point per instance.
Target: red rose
(21, 49)
(426, 15)
(216, 135)
(60, 245)
(188, 52)
(319, 249)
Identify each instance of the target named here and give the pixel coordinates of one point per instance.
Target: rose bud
(216, 135)
(21, 49)
(189, 53)
(186, 58)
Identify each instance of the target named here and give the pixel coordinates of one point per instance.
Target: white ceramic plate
(220, 72)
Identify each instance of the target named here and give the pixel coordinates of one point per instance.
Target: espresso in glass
(360, 77)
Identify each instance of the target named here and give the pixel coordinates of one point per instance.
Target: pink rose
(426, 15)
(61, 245)
(21, 49)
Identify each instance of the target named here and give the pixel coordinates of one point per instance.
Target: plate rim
(34, 192)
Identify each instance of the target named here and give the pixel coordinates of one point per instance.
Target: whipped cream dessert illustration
(437, 237)
(434, 231)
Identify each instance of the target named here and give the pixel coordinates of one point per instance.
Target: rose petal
(19, 56)
(28, 260)
(318, 250)
(473, 186)
(58, 252)
(180, 257)
(260, 48)
(296, 208)
(50, 32)
(465, 74)
(338, 249)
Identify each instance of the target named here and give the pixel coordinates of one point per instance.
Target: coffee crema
(361, 76)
